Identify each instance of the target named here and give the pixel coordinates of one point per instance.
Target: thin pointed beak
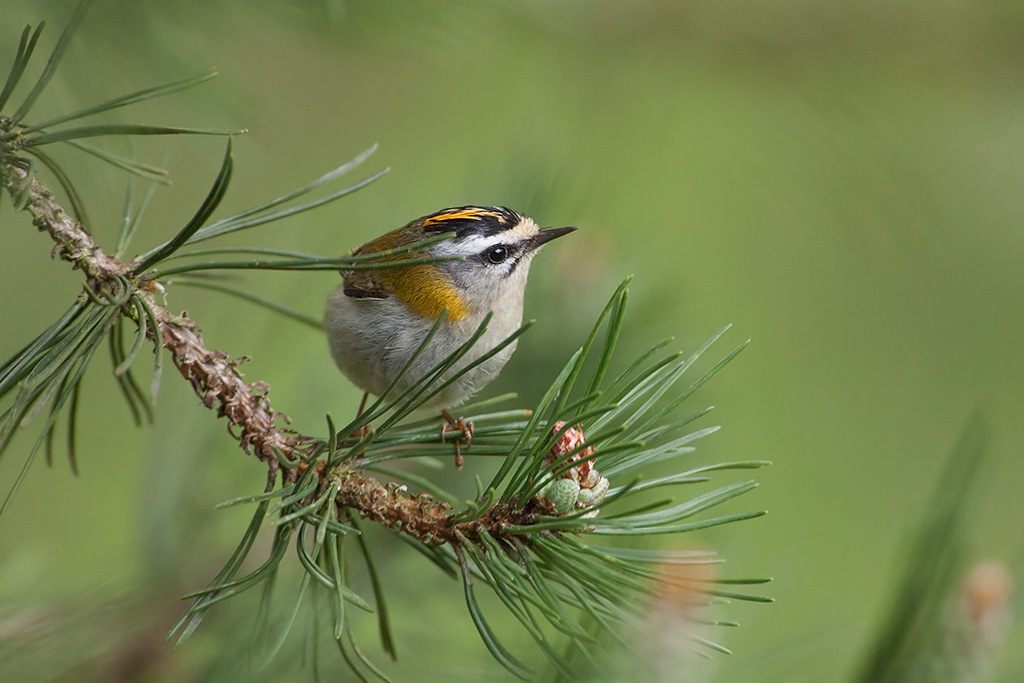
(548, 234)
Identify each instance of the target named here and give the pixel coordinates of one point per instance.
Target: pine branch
(72, 243)
(521, 542)
(218, 383)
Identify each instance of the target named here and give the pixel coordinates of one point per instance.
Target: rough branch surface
(220, 386)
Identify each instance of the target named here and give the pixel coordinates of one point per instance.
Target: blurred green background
(840, 181)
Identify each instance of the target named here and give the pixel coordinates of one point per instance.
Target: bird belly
(371, 341)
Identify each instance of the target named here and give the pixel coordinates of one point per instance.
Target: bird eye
(497, 254)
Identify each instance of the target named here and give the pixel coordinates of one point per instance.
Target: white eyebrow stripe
(470, 246)
(475, 245)
(466, 247)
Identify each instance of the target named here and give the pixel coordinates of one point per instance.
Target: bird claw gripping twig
(457, 425)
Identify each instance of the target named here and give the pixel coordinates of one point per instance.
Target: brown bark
(217, 382)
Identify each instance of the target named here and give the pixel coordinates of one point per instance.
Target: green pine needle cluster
(537, 563)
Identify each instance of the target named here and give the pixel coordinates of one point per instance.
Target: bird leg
(457, 425)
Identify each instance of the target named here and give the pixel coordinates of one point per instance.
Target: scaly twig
(220, 386)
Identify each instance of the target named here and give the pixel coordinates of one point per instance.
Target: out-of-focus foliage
(839, 180)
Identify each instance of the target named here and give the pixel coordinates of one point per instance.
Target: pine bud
(563, 494)
(594, 495)
(581, 485)
(980, 623)
(974, 628)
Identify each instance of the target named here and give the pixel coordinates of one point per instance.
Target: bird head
(495, 246)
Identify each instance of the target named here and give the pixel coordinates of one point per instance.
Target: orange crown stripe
(470, 214)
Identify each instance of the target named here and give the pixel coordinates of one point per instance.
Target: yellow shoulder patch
(426, 290)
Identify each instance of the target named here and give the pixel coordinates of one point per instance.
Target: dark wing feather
(365, 285)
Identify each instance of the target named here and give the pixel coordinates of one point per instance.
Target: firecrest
(376, 319)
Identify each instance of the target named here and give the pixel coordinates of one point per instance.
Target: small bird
(377, 319)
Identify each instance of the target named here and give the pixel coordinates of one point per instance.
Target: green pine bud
(563, 494)
(593, 496)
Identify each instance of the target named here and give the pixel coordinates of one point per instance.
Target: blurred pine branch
(947, 620)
